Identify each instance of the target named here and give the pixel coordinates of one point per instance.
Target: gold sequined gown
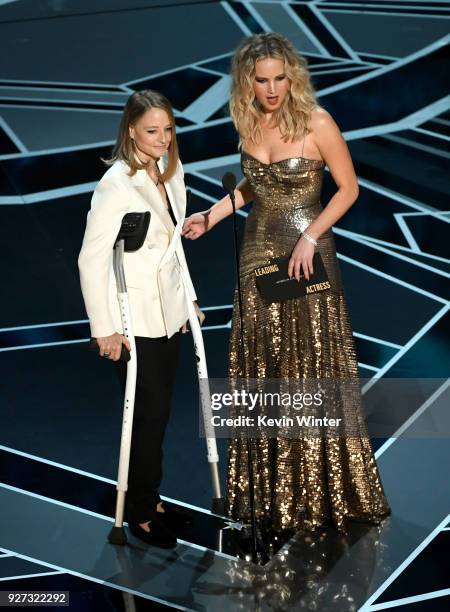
(300, 483)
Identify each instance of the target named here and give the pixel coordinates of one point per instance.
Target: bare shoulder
(321, 121)
(333, 148)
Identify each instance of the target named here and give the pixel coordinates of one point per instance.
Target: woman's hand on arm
(196, 225)
(111, 346)
(335, 153)
(199, 223)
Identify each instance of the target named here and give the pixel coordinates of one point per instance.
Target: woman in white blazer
(145, 174)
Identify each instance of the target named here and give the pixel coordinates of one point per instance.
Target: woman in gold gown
(287, 139)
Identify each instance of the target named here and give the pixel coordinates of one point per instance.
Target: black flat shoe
(173, 517)
(159, 534)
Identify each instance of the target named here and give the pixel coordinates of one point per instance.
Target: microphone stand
(249, 445)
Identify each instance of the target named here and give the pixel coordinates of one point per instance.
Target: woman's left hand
(301, 257)
(200, 315)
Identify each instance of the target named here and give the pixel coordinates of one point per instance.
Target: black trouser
(156, 364)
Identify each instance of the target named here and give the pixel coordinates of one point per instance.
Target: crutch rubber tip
(218, 505)
(117, 536)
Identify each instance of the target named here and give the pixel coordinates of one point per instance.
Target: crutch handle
(134, 230)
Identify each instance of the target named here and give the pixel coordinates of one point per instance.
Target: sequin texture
(300, 483)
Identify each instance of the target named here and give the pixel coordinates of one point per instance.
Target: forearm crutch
(218, 502)
(131, 237)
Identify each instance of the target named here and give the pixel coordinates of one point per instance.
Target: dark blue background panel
(114, 46)
(393, 94)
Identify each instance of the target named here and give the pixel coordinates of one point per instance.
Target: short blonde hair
(137, 104)
(293, 115)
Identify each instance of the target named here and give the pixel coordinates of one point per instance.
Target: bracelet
(309, 238)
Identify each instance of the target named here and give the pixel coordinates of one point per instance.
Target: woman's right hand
(196, 225)
(111, 346)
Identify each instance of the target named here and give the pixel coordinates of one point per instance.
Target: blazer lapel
(177, 198)
(176, 192)
(150, 192)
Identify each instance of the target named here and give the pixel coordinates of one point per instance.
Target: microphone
(229, 184)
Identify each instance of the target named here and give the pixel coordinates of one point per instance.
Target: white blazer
(154, 274)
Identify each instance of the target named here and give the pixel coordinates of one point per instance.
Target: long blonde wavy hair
(137, 104)
(293, 115)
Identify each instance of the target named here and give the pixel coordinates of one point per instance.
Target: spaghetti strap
(303, 148)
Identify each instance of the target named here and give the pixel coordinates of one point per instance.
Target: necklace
(157, 181)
